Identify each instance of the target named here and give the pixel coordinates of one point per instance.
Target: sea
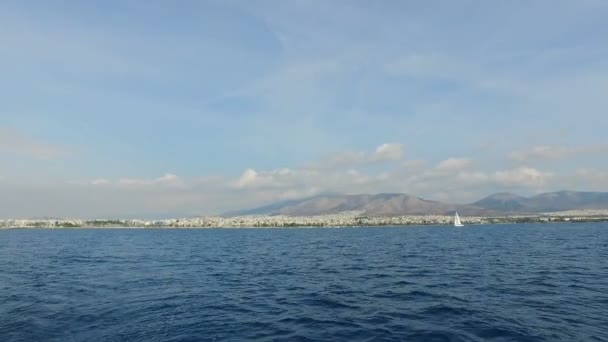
(537, 282)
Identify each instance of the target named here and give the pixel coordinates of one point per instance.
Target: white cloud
(248, 178)
(522, 176)
(168, 179)
(389, 151)
(100, 181)
(251, 179)
(295, 194)
(540, 153)
(453, 164)
(475, 177)
(357, 177)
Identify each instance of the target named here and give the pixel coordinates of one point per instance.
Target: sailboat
(457, 222)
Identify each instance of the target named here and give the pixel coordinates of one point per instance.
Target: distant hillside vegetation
(388, 204)
(546, 202)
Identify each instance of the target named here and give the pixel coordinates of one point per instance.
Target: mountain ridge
(395, 204)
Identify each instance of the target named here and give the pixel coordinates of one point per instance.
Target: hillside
(379, 204)
(546, 202)
(387, 204)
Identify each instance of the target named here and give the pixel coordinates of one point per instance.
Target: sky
(178, 108)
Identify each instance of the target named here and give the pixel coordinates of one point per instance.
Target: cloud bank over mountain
(455, 180)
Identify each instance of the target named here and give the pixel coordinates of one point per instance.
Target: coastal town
(344, 219)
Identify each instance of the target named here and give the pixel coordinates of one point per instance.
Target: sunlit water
(478, 283)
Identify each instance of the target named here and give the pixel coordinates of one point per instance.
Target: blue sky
(144, 108)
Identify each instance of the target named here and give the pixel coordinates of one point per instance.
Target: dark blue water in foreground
(495, 283)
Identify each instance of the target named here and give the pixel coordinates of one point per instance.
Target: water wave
(487, 283)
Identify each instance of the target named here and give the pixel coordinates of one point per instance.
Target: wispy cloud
(16, 143)
(99, 181)
(167, 179)
(537, 153)
(387, 152)
(589, 178)
(268, 179)
(453, 164)
(541, 152)
(523, 176)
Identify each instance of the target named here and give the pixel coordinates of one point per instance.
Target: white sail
(457, 222)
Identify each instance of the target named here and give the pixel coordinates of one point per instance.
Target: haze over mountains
(387, 204)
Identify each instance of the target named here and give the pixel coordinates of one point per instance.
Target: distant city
(345, 219)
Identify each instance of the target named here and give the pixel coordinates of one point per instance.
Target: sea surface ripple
(479, 283)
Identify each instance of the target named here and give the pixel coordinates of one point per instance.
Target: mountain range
(393, 204)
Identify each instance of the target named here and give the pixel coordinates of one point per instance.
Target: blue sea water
(546, 282)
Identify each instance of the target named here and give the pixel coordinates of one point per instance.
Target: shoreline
(71, 224)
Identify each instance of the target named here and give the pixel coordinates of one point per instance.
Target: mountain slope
(569, 200)
(380, 204)
(387, 204)
(264, 210)
(504, 202)
(546, 202)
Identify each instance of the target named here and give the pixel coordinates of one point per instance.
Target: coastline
(343, 220)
